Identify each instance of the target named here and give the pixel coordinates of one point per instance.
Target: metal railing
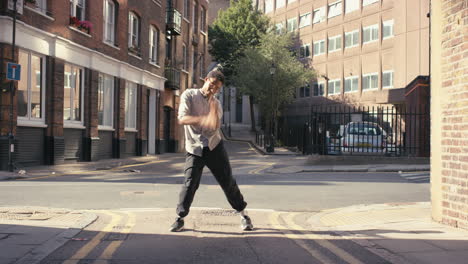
(173, 21)
(173, 78)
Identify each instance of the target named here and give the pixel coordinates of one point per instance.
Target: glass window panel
(280, 3)
(351, 5)
(268, 6)
(101, 100)
(77, 95)
(334, 9)
(22, 93)
(36, 86)
(67, 96)
(368, 2)
(304, 20)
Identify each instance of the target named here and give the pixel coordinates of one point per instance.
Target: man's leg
(193, 171)
(218, 162)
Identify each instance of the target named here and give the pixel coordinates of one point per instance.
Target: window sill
(370, 90)
(105, 128)
(130, 130)
(316, 55)
(350, 92)
(203, 33)
(73, 125)
(111, 45)
(389, 37)
(29, 123)
(39, 12)
(388, 87)
(186, 20)
(184, 71)
(334, 94)
(157, 3)
(369, 42)
(333, 51)
(354, 46)
(135, 56)
(155, 65)
(79, 31)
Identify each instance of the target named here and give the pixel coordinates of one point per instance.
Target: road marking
(322, 242)
(289, 234)
(258, 170)
(423, 176)
(114, 245)
(88, 247)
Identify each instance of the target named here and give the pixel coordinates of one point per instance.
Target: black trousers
(218, 162)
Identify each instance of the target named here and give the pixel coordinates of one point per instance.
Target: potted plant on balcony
(83, 25)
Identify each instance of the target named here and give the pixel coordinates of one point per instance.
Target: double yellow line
(300, 235)
(107, 254)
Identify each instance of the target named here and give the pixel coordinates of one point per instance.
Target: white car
(363, 137)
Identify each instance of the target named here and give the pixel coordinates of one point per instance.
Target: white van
(362, 137)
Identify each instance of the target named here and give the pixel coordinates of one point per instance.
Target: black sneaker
(246, 224)
(177, 225)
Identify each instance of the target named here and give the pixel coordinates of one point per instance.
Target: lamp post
(271, 143)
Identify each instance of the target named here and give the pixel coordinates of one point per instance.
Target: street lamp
(271, 145)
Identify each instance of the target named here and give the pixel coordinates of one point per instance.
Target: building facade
(99, 79)
(365, 52)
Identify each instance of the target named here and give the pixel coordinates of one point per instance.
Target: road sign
(13, 71)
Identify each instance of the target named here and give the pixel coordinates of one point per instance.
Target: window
(319, 15)
(370, 81)
(370, 34)
(41, 5)
(202, 66)
(31, 92)
(368, 2)
(184, 57)
(154, 45)
(351, 84)
(304, 91)
(351, 5)
(334, 87)
(319, 89)
(109, 22)
(72, 98)
(334, 9)
(133, 31)
(334, 43)
(292, 24)
(106, 101)
(280, 3)
(351, 39)
(387, 31)
(304, 51)
(304, 20)
(194, 66)
(268, 6)
(77, 9)
(195, 17)
(279, 28)
(202, 19)
(387, 79)
(131, 93)
(319, 47)
(186, 8)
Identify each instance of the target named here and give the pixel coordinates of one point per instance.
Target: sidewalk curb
(36, 255)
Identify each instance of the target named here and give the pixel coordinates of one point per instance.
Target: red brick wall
(455, 113)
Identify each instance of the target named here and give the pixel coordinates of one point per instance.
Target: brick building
(99, 79)
(449, 133)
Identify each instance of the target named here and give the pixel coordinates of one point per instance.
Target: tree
(271, 91)
(237, 28)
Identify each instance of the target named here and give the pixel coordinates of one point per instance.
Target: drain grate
(115, 237)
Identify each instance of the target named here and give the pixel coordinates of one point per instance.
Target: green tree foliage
(271, 91)
(236, 28)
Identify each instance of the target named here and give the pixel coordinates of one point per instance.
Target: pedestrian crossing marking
(258, 170)
(416, 176)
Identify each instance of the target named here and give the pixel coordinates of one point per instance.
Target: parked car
(362, 137)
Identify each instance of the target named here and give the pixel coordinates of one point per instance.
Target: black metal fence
(393, 131)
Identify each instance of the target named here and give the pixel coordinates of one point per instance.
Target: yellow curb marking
(114, 245)
(258, 170)
(323, 242)
(88, 247)
(289, 234)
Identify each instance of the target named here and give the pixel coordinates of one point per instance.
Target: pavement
(398, 233)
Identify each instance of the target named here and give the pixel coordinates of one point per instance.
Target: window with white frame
(31, 88)
(186, 8)
(131, 94)
(334, 9)
(304, 51)
(109, 21)
(319, 47)
(133, 30)
(387, 79)
(184, 57)
(351, 84)
(304, 20)
(351, 39)
(370, 81)
(41, 5)
(319, 89)
(319, 15)
(269, 6)
(291, 24)
(202, 19)
(154, 45)
(334, 43)
(334, 87)
(73, 94)
(351, 5)
(368, 2)
(77, 9)
(279, 28)
(387, 29)
(280, 3)
(370, 34)
(304, 91)
(106, 101)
